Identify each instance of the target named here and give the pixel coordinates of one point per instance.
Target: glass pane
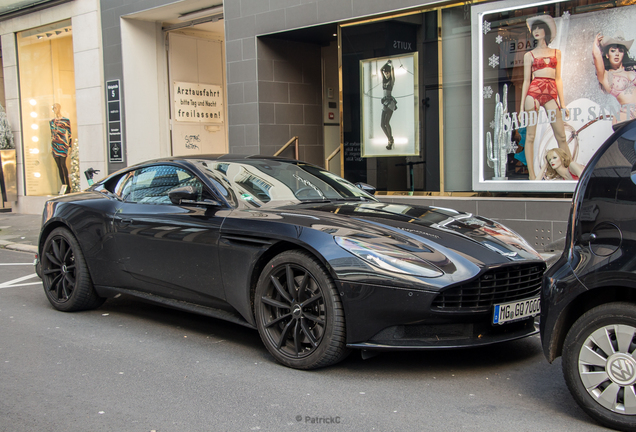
(457, 88)
(550, 93)
(47, 94)
(389, 72)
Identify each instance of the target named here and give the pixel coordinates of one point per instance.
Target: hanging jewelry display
(75, 170)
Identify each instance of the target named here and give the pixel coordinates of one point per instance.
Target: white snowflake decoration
(566, 15)
(486, 27)
(493, 61)
(488, 93)
(499, 39)
(512, 147)
(492, 124)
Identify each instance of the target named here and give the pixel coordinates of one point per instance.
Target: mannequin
(389, 104)
(542, 85)
(61, 143)
(559, 166)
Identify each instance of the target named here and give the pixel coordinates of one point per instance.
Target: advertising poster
(389, 101)
(553, 81)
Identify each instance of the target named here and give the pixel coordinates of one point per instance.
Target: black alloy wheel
(299, 313)
(65, 277)
(599, 365)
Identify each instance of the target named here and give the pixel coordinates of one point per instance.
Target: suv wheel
(599, 365)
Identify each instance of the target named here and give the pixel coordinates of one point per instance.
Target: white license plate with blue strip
(514, 311)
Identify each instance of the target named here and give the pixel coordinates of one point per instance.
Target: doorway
(196, 71)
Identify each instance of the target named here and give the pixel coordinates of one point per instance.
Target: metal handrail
(331, 156)
(283, 148)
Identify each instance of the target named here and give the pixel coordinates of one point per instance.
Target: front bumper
(385, 318)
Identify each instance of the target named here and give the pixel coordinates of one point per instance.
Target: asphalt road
(133, 366)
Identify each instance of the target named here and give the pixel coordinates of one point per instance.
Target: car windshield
(275, 182)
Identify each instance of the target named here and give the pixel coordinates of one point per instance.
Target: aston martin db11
(315, 263)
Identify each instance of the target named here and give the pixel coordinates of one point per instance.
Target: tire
(302, 326)
(599, 367)
(65, 277)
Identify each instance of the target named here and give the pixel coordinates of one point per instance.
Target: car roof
(221, 157)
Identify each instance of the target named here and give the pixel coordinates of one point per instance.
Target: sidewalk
(19, 231)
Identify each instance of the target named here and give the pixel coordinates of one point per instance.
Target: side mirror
(187, 195)
(366, 187)
(177, 195)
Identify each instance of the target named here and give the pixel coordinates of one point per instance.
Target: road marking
(9, 264)
(10, 284)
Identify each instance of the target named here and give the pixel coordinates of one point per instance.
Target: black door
(169, 250)
(605, 233)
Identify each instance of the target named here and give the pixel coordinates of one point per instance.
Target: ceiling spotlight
(58, 32)
(49, 34)
(40, 36)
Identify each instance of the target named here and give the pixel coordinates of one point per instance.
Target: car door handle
(123, 221)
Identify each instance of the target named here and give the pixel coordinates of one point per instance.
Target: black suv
(588, 304)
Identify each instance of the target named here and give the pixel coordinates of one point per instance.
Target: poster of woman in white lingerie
(571, 80)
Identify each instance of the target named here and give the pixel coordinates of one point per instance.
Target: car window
(269, 182)
(122, 189)
(151, 185)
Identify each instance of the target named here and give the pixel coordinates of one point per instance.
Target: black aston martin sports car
(316, 264)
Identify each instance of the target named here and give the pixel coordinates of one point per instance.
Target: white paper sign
(194, 102)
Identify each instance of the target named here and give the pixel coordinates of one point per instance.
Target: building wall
(289, 99)
(146, 101)
(142, 52)
(89, 91)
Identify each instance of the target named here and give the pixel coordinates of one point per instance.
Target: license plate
(513, 311)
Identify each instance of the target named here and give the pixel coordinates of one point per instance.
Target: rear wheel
(299, 313)
(65, 277)
(599, 365)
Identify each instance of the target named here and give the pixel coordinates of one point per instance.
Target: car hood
(435, 227)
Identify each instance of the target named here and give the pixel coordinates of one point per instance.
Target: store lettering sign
(194, 102)
(402, 45)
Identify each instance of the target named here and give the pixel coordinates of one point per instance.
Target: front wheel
(599, 365)
(299, 314)
(65, 276)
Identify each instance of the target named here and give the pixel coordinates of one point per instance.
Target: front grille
(501, 285)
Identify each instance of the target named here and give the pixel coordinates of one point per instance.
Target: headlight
(389, 258)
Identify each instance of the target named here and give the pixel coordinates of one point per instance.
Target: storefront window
(406, 116)
(554, 78)
(47, 95)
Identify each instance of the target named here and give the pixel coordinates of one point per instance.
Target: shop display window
(553, 80)
(407, 101)
(47, 96)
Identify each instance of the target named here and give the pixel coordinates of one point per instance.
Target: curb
(21, 247)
